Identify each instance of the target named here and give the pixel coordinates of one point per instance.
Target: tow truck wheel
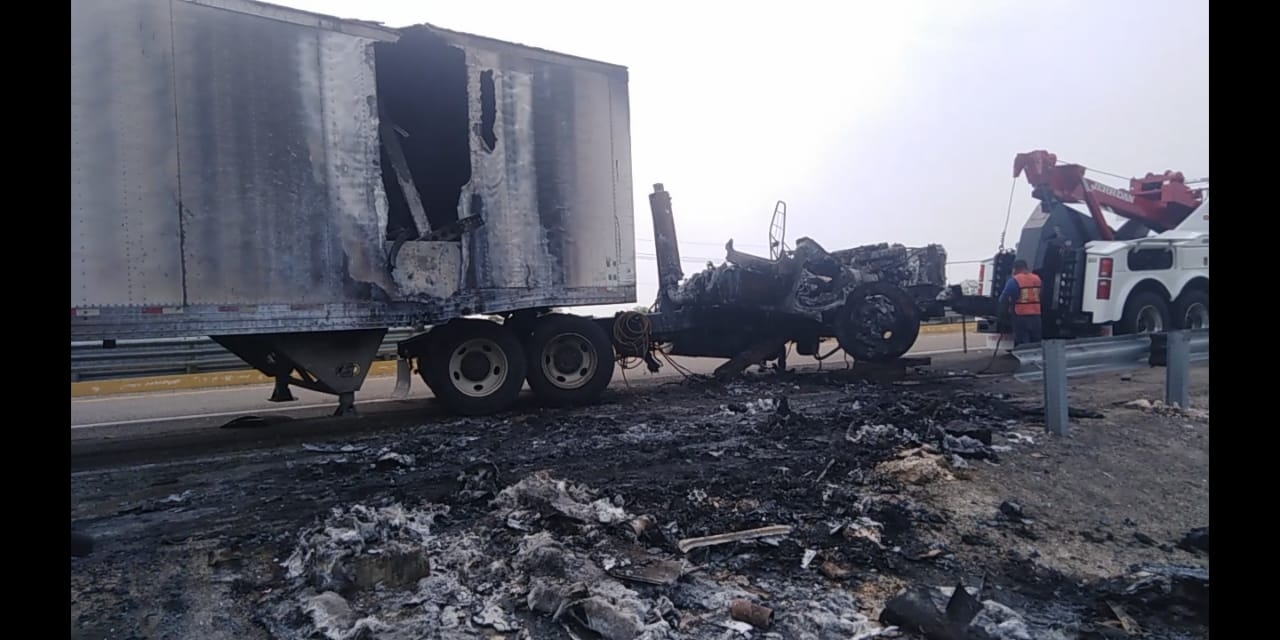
(474, 367)
(1145, 312)
(878, 323)
(1192, 310)
(570, 360)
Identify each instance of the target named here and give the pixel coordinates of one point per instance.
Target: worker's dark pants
(1026, 330)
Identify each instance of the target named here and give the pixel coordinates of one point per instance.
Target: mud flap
(403, 371)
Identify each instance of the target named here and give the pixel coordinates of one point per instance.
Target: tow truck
(1149, 275)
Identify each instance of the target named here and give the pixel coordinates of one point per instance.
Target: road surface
(206, 407)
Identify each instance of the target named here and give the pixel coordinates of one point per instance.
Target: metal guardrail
(1055, 361)
(175, 356)
(1087, 356)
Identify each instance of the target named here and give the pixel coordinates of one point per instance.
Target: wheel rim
(875, 321)
(1149, 320)
(569, 361)
(1196, 317)
(478, 367)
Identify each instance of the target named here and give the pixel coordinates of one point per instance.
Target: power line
(700, 260)
(1109, 174)
(710, 244)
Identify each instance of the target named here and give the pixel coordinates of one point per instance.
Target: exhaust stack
(666, 246)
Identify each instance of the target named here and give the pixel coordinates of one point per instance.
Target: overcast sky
(874, 121)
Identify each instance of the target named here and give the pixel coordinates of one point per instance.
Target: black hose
(994, 354)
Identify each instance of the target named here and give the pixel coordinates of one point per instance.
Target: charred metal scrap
(809, 281)
(870, 298)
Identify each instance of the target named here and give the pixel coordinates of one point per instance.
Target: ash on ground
(634, 521)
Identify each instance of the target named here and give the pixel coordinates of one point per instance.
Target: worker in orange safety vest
(1023, 292)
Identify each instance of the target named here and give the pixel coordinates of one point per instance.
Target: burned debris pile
(775, 515)
(549, 555)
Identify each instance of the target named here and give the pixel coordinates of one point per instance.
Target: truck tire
(474, 367)
(1144, 312)
(878, 323)
(1191, 311)
(570, 360)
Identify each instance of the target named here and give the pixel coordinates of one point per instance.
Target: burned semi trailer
(871, 299)
(293, 185)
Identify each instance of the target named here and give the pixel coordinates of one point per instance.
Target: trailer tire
(872, 334)
(1144, 312)
(474, 367)
(1191, 311)
(570, 360)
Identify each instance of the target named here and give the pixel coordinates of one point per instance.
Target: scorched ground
(568, 523)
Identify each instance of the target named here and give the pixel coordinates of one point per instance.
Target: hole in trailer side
(488, 111)
(422, 85)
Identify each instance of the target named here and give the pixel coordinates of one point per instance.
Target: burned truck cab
(749, 308)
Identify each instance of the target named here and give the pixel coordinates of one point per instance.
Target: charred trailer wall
(550, 174)
(221, 158)
(229, 174)
(532, 145)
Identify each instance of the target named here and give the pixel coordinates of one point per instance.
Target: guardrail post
(1177, 390)
(1055, 386)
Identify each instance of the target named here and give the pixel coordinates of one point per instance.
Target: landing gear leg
(282, 393)
(346, 404)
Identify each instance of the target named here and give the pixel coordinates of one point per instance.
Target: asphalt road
(207, 407)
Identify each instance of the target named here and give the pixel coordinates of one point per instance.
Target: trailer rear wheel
(1145, 312)
(474, 367)
(570, 359)
(878, 323)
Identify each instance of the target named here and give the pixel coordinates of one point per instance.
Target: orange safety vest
(1028, 303)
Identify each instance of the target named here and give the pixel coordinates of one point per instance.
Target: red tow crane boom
(1158, 201)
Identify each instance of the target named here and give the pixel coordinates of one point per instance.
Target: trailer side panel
(278, 138)
(125, 235)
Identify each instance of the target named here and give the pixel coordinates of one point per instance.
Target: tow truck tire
(1191, 311)
(1145, 312)
(474, 367)
(869, 335)
(570, 360)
